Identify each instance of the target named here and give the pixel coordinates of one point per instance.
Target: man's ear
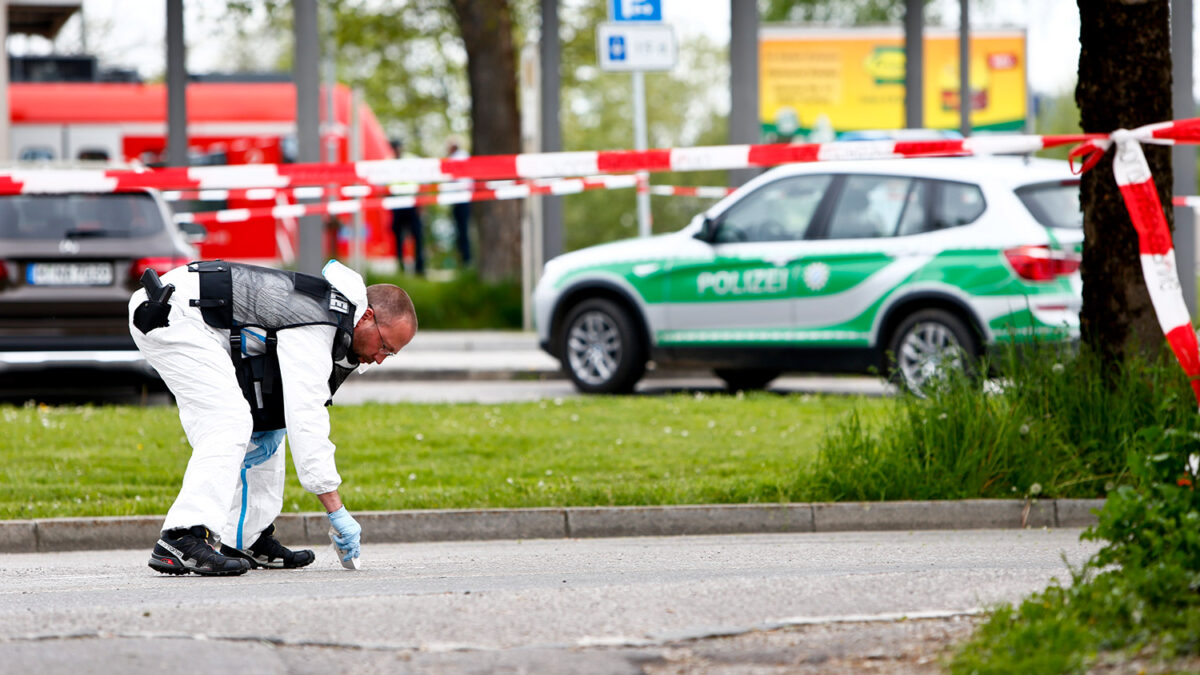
(368, 314)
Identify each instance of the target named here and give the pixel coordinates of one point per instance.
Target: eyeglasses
(387, 351)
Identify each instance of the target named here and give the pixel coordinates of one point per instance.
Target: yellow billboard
(838, 80)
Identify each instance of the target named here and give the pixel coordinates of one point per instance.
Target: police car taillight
(160, 265)
(1041, 263)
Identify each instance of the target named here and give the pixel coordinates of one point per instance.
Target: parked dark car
(68, 264)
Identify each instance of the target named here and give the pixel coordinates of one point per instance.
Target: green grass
(681, 449)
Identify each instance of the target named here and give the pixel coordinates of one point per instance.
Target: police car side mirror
(707, 231)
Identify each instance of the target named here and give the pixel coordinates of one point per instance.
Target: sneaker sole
(255, 563)
(172, 565)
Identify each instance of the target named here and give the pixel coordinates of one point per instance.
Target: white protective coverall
(233, 485)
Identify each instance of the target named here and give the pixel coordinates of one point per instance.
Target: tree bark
(487, 33)
(1124, 82)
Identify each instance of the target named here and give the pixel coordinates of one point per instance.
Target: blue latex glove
(348, 535)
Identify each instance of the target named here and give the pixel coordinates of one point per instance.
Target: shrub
(1060, 425)
(1139, 596)
(462, 303)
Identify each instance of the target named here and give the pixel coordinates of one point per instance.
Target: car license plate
(69, 274)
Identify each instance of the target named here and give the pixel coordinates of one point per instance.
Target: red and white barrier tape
(705, 191)
(558, 187)
(491, 167)
(1155, 247)
(1192, 201)
(340, 191)
(309, 192)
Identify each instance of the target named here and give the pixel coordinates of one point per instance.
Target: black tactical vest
(263, 301)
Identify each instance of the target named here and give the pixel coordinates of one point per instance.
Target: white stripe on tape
(995, 145)
(384, 171)
(454, 197)
(237, 175)
(260, 193)
(356, 191)
(714, 157)
(398, 202)
(289, 211)
(63, 180)
(557, 164)
(567, 186)
(512, 191)
(345, 206)
(308, 192)
(233, 215)
(857, 150)
(1162, 280)
(1129, 162)
(618, 182)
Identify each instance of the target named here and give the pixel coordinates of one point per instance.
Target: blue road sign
(616, 47)
(635, 10)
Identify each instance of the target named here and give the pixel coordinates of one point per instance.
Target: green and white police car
(891, 266)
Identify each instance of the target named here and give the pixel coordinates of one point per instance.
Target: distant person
(408, 220)
(461, 212)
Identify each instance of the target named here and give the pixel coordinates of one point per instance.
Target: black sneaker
(189, 550)
(268, 552)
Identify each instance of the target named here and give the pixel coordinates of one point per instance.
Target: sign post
(636, 40)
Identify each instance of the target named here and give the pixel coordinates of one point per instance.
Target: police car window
(915, 217)
(957, 204)
(870, 207)
(779, 211)
(1054, 204)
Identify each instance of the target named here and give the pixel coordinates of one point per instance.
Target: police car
(901, 267)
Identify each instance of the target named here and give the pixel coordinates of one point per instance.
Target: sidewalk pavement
(468, 355)
(133, 532)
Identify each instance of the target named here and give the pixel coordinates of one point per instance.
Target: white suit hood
(349, 283)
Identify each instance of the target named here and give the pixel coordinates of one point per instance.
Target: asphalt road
(762, 603)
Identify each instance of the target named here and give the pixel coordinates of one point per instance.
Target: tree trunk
(1124, 82)
(487, 33)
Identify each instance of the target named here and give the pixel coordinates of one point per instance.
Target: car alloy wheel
(594, 347)
(928, 345)
(600, 349)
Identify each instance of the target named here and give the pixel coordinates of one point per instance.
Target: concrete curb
(74, 534)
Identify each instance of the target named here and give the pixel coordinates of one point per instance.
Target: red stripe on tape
(633, 160)
(317, 174)
(482, 166)
(781, 154)
(923, 148)
(1183, 342)
(1146, 213)
(1181, 130)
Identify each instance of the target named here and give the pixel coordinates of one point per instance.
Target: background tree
(1124, 82)
(486, 27)
(845, 12)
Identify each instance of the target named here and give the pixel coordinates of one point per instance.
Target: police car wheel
(746, 379)
(601, 350)
(928, 344)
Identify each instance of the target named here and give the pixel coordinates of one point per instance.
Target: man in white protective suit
(251, 353)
